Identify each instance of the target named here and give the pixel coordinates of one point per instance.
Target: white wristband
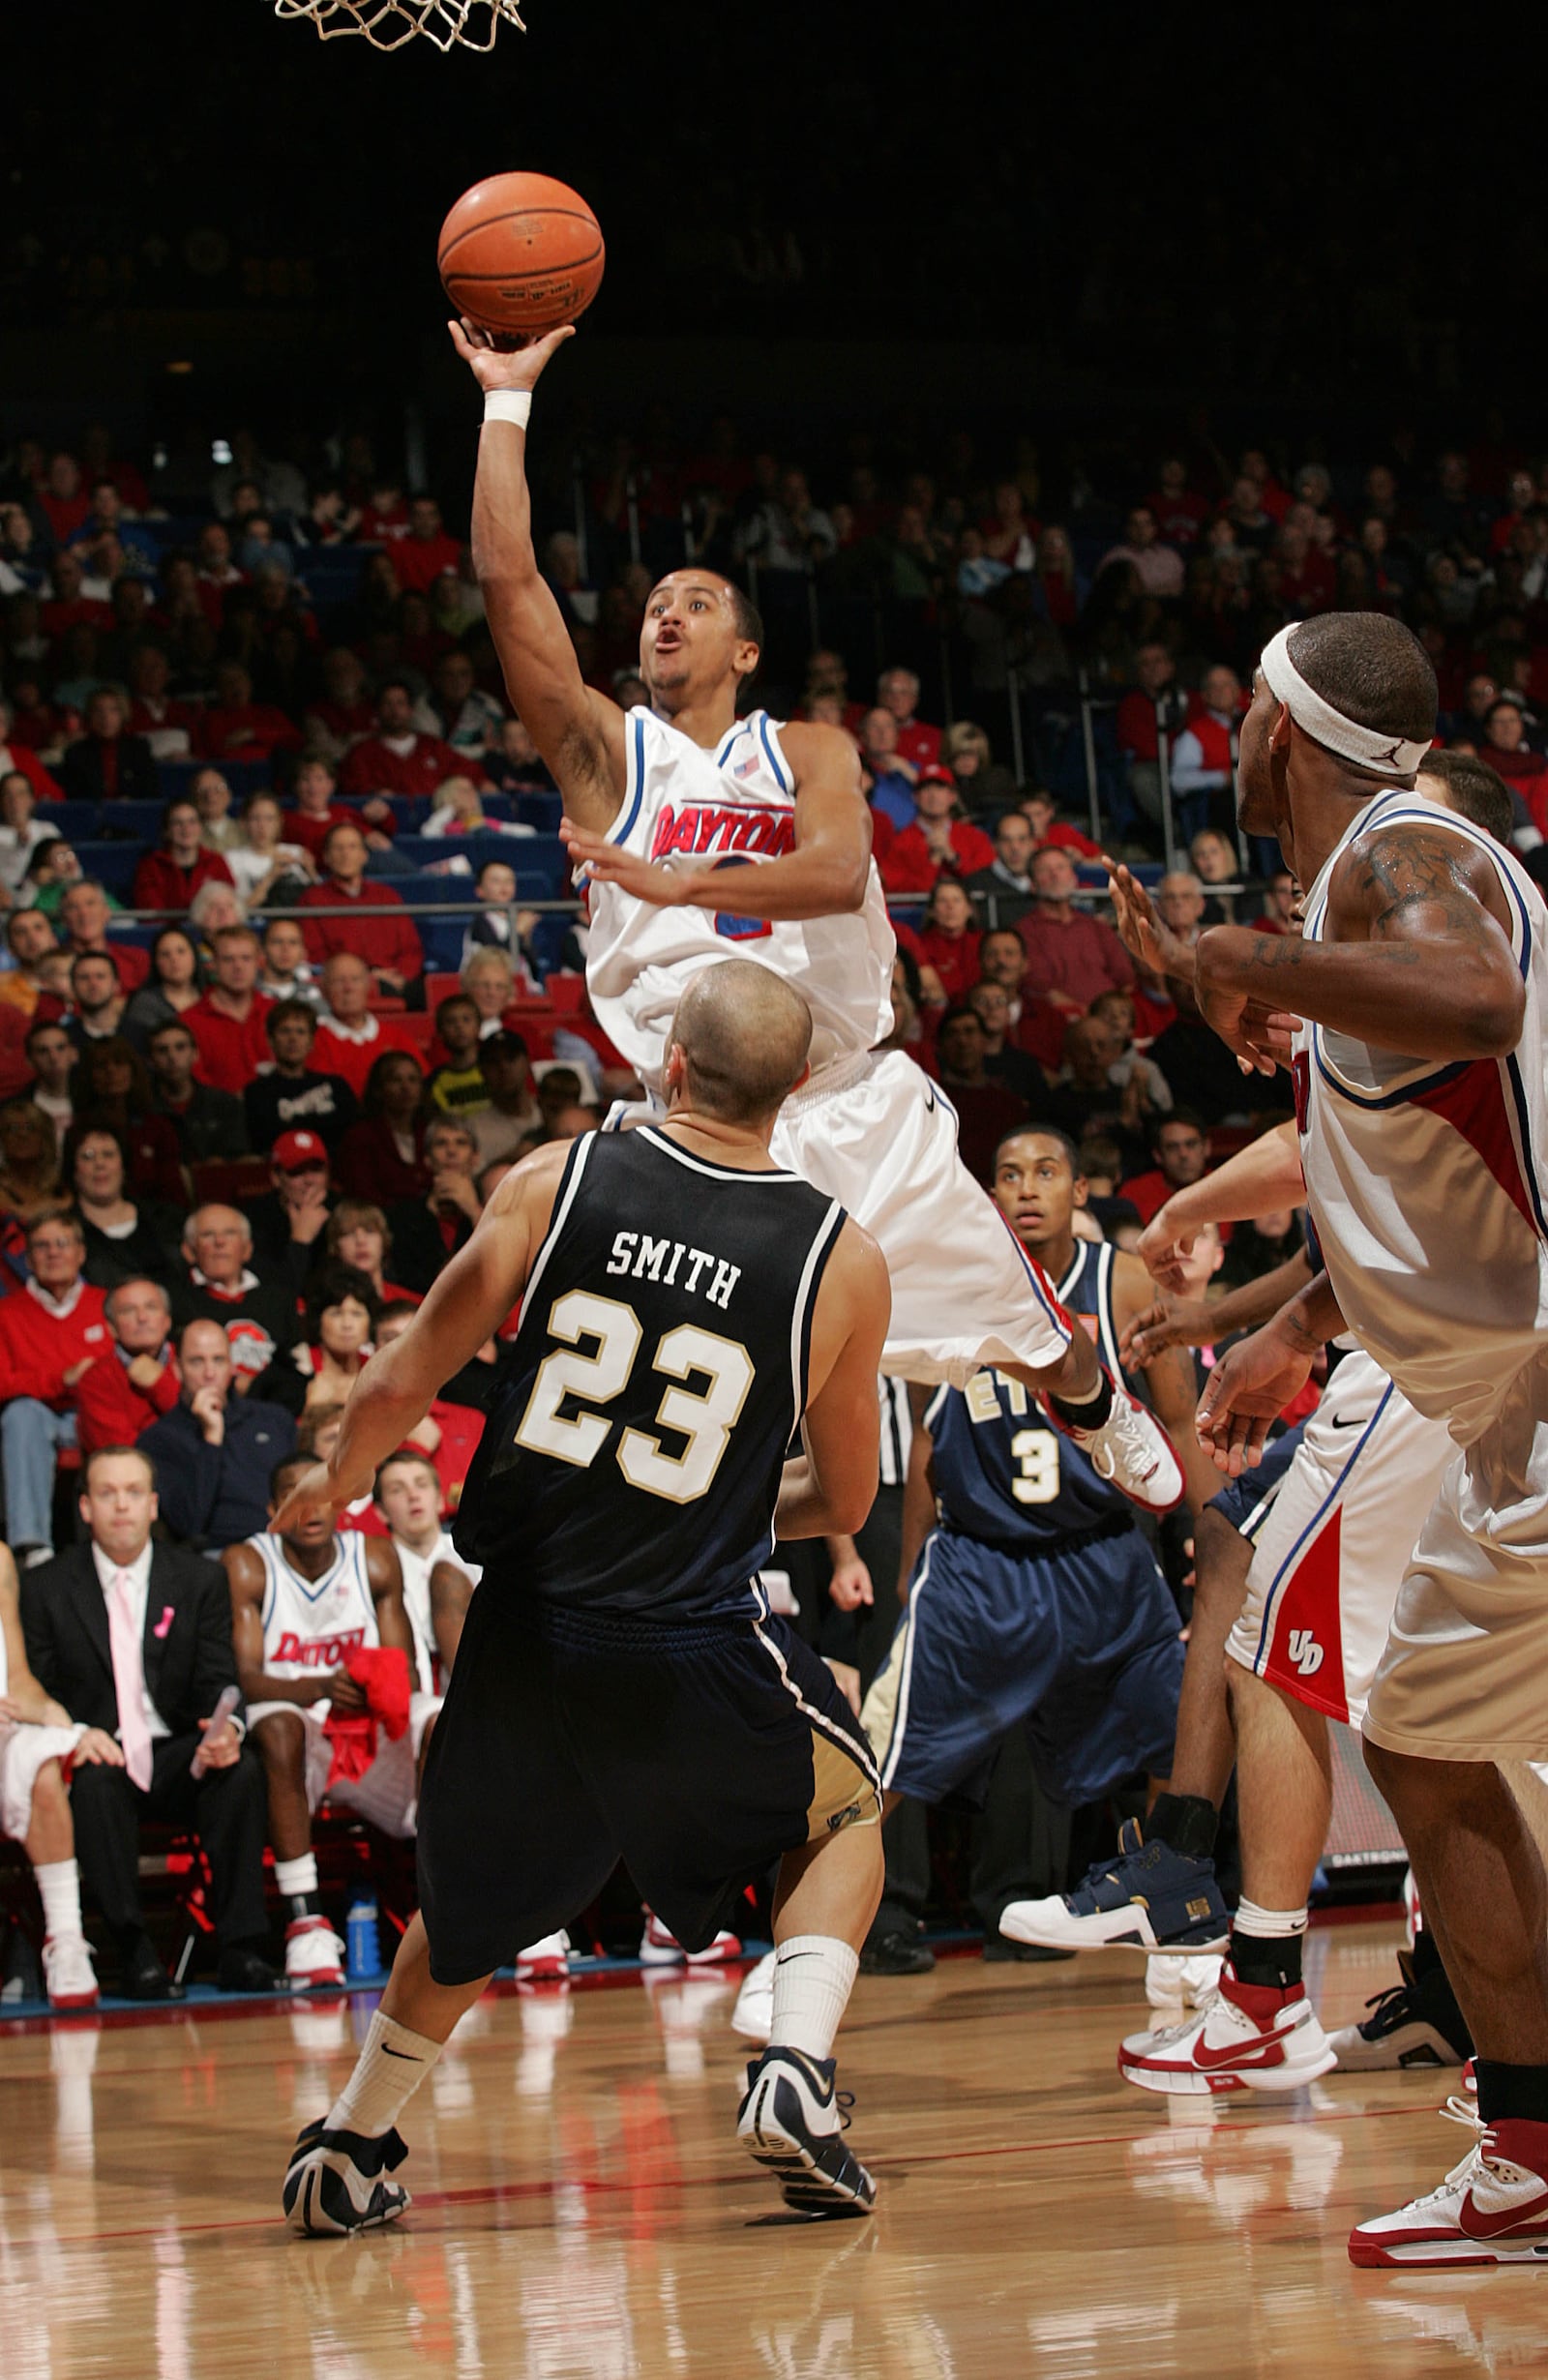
(509, 404)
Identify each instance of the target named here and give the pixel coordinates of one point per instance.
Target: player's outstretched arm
(466, 1304)
(833, 1486)
(1170, 1380)
(1257, 1378)
(1420, 958)
(1260, 1179)
(578, 730)
(825, 874)
(1193, 1321)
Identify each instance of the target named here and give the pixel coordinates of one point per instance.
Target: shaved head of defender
(738, 1043)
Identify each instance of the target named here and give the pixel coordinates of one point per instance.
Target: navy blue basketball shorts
(1080, 1645)
(1246, 1503)
(697, 1753)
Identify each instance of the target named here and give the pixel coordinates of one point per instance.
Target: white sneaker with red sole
(1246, 2036)
(1491, 2208)
(1133, 1452)
(659, 1948)
(545, 1962)
(314, 1955)
(67, 1972)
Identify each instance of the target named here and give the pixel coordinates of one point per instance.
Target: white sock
(59, 1884)
(294, 1877)
(1268, 1924)
(388, 2071)
(813, 1975)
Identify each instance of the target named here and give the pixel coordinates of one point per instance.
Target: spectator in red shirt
(1036, 1025)
(228, 1023)
(1071, 956)
(898, 691)
(168, 878)
(19, 756)
(67, 604)
(105, 764)
(135, 1381)
(940, 837)
(350, 1038)
(215, 570)
(83, 916)
(986, 1110)
(386, 939)
(1050, 832)
(235, 727)
(168, 727)
(1508, 753)
(317, 812)
(342, 714)
(420, 557)
(382, 1156)
(1180, 512)
(63, 496)
(52, 1330)
(950, 942)
(1180, 1148)
(397, 760)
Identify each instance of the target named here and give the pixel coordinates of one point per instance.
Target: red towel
(383, 1671)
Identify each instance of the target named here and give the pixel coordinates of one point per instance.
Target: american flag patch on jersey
(746, 768)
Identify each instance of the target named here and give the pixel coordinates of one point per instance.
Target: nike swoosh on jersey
(1356, 1421)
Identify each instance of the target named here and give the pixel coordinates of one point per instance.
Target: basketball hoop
(387, 24)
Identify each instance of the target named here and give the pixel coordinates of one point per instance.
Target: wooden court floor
(582, 2211)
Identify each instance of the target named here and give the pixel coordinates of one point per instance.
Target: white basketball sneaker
(1491, 2208)
(1246, 2036)
(68, 1972)
(545, 1962)
(314, 1955)
(660, 1948)
(1133, 1452)
(752, 2016)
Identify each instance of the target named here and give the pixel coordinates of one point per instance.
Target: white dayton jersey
(24, 1750)
(1429, 1183)
(416, 1570)
(685, 807)
(311, 1625)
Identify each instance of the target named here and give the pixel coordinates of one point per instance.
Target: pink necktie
(129, 1682)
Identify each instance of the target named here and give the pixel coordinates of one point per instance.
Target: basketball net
(387, 24)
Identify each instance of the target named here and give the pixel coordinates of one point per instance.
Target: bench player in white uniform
(300, 1604)
(706, 837)
(1419, 1079)
(38, 1742)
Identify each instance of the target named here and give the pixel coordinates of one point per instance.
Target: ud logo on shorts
(1305, 1652)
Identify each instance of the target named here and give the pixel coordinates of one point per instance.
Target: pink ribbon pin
(165, 1623)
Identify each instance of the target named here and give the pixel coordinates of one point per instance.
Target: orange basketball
(519, 253)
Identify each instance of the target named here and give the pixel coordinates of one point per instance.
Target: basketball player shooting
(706, 837)
(1419, 1088)
(621, 1690)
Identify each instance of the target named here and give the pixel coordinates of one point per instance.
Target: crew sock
(813, 1975)
(388, 2071)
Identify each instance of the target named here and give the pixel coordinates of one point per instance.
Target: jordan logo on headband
(1372, 748)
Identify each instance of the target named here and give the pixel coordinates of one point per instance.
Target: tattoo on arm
(1409, 880)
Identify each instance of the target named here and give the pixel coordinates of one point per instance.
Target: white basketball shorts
(1465, 1674)
(879, 1135)
(1330, 1556)
(387, 1794)
(24, 1750)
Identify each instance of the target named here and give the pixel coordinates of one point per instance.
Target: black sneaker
(897, 1953)
(334, 2182)
(997, 1949)
(792, 2120)
(1413, 2023)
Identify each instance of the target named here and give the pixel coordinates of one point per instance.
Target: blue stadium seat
(112, 864)
(544, 811)
(76, 822)
(130, 823)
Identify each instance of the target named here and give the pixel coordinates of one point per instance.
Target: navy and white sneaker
(792, 2120)
(1150, 1898)
(335, 2183)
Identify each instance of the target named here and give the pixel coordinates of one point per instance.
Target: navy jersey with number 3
(1002, 1473)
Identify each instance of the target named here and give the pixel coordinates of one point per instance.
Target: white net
(387, 24)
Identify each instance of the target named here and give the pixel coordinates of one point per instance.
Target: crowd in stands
(279, 1002)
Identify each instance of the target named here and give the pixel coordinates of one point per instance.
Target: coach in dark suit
(135, 1638)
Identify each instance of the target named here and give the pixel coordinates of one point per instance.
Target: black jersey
(633, 1461)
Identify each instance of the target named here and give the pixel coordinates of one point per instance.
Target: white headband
(1366, 747)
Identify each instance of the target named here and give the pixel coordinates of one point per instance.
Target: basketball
(519, 253)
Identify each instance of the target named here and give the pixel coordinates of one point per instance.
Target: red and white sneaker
(1133, 1452)
(545, 1962)
(659, 1948)
(67, 1972)
(314, 1955)
(1491, 2208)
(1246, 2036)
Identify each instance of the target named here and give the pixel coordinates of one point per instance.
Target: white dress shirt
(139, 1575)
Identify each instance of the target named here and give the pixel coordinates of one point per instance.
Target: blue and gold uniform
(1036, 1601)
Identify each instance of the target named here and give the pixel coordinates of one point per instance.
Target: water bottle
(363, 1948)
